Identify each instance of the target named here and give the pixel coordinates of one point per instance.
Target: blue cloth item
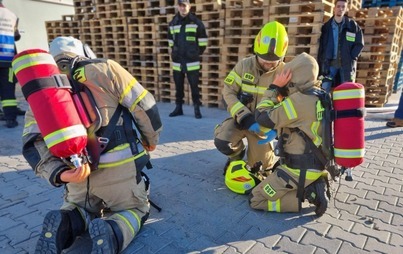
(335, 28)
(270, 135)
(255, 128)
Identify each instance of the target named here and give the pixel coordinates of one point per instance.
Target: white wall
(32, 15)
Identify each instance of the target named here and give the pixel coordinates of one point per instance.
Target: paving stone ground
(200, 215)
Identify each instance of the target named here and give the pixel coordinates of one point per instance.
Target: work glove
(247, 122)
(255, 128)
(266, 134)
(270, 135)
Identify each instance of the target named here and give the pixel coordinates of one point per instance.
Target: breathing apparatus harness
(313, 156)
(103, 139)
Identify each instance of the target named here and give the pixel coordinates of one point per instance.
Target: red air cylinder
(50, 99)
(349, 138)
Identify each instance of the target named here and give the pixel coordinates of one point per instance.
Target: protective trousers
(229, 141)
(7, 93)
(117, 190)
(193, 78)
(278, 192)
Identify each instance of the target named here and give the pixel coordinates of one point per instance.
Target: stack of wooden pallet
(378, 63)
(134, 33)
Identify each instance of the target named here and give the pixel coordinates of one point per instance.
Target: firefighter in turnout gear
(9, 34)
(117, 183)
(187, 39)
(290, 105)
(243, 89)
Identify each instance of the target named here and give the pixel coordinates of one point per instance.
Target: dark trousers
(193, 78)
(7, 94)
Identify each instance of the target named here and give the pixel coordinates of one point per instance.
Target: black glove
(281, 90)
(247, 122)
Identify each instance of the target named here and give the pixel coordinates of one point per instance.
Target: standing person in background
(397, 121)
(188, 39)
(340, 45)
(9, 34)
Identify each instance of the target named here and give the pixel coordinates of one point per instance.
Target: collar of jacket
(190, 17)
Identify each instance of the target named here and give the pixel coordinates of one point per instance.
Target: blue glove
(255, 128)
(270, 135)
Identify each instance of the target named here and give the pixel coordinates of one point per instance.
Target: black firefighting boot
(234, 158)
(60, 228)
(315, 193)
(198, 114)
(177, 111)
(106, 236)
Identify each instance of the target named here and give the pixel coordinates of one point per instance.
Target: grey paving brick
(18, 234)
(371, 232)
(373, 246)
(346, 247)
(240, 246)
(287, 246)
(7, 223)
(313, 239)
(356, 240)
(18, 209)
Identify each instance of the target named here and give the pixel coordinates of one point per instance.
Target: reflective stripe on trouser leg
(129, 222)
(287, 203)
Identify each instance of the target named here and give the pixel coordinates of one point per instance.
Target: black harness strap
(42, 83)
(359, 112)
(106, 132)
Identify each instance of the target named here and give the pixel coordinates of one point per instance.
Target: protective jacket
(8, 35)
(110, 85)
(188, 39)
(351, 43)
(244, 87)
(299, 112)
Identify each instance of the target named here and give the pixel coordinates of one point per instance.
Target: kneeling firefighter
(121, 108)
(243, 89)
(291, 106)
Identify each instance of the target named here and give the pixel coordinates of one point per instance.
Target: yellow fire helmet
(239, 179)
(271, 42)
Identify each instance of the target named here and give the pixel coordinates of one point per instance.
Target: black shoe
(197, 112)
(55, 233)
(20, 112)
(177, 111)
(11, 123)
(315, 193)
(103, 237)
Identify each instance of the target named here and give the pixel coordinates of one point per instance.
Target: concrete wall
(32, 15)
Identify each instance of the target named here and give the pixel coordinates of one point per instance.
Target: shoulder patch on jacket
(249, 77)
(79, 75)
(229, 80)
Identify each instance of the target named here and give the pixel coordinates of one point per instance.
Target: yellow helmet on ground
(271, 42)
(239, 179)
